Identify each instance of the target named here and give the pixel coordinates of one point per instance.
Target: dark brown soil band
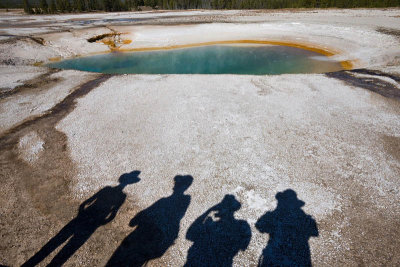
(38, 194)
(371, 82)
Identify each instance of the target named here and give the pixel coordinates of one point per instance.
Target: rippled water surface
(215, 59)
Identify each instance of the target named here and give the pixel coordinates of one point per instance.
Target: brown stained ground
(37, 40)
(37, 200)
(372, 82)
(371, 231)
(389, 31)
(38, 84)
(392, 146)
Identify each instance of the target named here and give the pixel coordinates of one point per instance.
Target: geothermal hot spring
(211, 59)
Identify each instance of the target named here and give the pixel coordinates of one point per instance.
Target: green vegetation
(27, 8)
(62, 6)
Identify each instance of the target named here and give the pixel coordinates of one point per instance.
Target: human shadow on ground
(217, 236)
(94, 212)
(289, 229)
(156, 228)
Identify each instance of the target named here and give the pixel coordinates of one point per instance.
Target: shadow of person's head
(288, 200)
(227, 207)
(182, 182)
(129, 178)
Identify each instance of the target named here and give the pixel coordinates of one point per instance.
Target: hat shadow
(289, 229)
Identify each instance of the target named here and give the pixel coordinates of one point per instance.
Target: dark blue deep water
(214, 59)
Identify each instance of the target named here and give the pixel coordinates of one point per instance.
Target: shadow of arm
(264, 224)
(247, 236)
(197, 226)
(88, 202)
(114, 210)
(313, 227)
(136, 220)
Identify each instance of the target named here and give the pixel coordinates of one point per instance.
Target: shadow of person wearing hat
(94, 212)
(289, 229)
(217, 236)
(155, 228)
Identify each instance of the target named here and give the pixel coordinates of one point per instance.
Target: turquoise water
(215, 59)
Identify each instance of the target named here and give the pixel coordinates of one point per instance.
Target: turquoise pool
(213, 59)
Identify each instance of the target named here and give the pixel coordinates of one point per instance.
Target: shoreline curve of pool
(249, 57)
